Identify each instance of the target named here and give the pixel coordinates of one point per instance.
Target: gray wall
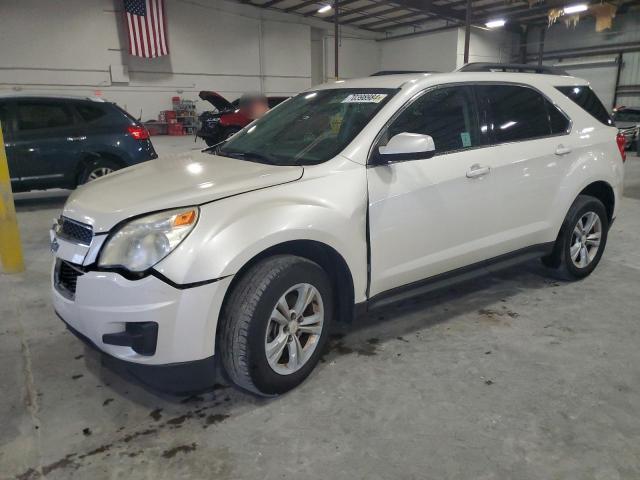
(626, 28)
(443, 51)
(73, 46)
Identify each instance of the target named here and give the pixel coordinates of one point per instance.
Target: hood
(215, 99)
(191, 178)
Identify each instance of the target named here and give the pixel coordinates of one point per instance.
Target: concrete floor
(512, 376)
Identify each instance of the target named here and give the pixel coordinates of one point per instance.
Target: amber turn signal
(184, 219)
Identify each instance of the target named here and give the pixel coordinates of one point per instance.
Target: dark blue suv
(60, 142)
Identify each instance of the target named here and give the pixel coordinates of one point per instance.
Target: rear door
(531, 149)
(48, 143)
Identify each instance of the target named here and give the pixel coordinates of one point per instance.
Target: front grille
(75, 231)
(66, 278)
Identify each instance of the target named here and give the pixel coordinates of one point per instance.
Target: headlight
(141, 243)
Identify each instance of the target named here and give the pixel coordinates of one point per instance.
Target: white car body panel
(327, 205)
(190, 178)
(425, 216)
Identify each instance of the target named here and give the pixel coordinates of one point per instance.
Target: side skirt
(453, 276)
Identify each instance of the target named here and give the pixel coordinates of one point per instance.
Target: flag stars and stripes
(146, 26)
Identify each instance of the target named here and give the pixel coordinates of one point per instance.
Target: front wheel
(275, 324)
(581, 240)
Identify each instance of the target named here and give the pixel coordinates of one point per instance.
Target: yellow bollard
(10, 249)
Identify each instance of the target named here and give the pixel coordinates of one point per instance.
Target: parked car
(345, 198)
(627, 120)
(63, 142)
(227, 118)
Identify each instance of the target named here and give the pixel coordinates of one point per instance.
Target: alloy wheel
(294, 329)
(585, 239)
(99, 172)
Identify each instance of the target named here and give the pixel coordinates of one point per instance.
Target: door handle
(477, 170)
(76, 139)
(562, 150)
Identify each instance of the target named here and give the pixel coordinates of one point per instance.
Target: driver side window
(447, 114)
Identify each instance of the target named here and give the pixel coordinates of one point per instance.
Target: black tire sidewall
(582, 206)
(265, 379)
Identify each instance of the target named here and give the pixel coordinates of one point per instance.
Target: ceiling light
(575, 9)
(324, 8)
(496, 23)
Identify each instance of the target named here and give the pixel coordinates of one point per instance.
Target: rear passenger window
(520, 113)
(589, 101)
(447, 114)
(90, 113)
(32, 116)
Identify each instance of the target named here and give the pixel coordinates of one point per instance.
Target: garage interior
(513, 375)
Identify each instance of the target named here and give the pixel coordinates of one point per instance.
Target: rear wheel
(581, 240)
(96, 169)
(275, 323)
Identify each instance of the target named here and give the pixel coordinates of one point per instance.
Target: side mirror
(406, 146)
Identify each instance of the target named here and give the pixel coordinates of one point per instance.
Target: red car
(216, 126)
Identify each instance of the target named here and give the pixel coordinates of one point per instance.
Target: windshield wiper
(248, 156)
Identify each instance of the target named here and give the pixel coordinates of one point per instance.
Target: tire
(96, 169)
(569, 256)
(210, 141)
(247, 325)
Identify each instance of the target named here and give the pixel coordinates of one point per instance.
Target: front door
(433, 215)
(48, 143)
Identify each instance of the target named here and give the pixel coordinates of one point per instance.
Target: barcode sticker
(365, 98)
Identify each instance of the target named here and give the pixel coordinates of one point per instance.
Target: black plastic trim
(176, 378)
(454, 276)
(509, 67)
(141, 337)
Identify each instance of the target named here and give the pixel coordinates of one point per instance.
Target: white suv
(353, 194)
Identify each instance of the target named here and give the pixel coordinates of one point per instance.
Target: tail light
(138, 132)
(620, 140)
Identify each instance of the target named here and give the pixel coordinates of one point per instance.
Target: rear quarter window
(588, 101)
(89, 113)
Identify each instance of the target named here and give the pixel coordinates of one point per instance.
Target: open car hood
(215, 99)
(191, 178)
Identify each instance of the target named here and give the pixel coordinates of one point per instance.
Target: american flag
(146, 25)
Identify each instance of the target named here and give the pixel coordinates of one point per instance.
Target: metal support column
(618, 71)
(336, 26)
(543, 31)
(524, 35)
(467, 32)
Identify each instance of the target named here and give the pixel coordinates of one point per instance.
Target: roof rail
(399, 72)
(510, 67)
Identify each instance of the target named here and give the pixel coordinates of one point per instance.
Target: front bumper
(176, 378)
(105, 303)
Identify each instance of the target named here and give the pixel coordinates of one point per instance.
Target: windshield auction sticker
(365, 98)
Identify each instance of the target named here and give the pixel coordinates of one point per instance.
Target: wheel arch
(91, 157)
(603, 191)
(324, 255)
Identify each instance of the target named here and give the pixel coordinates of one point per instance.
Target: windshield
(627, 116)
(308, 129)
